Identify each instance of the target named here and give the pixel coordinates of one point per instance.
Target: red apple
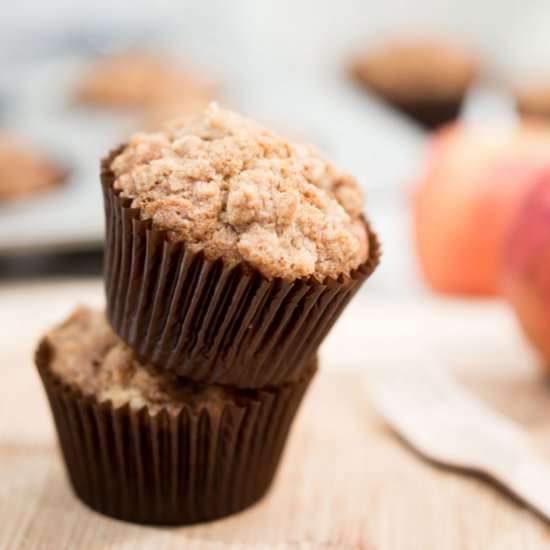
(526, 267)
(475, 180)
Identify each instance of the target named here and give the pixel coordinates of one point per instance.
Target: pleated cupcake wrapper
(431, 113)
(208, 322)
(170, 468)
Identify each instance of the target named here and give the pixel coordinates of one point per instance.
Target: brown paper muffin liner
(170, 468)
(204, 320)
(430, 113)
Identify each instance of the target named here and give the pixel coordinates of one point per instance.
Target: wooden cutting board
(345, 482)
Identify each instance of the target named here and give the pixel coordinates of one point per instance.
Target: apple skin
(474, 183)
(526, 267)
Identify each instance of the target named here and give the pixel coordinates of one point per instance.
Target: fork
(449, 426)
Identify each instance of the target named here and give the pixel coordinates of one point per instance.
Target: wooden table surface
(345, 482)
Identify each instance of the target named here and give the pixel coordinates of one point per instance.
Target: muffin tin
(360, 135)
(73, 136)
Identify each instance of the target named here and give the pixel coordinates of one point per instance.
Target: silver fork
(448, 425)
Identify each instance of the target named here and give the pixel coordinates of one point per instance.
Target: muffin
(140, 80)
(534, 100)
(143, 445)
(230, 252)
(24, 173)
(425, 80)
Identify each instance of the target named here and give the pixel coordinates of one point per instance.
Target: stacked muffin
(230, 253)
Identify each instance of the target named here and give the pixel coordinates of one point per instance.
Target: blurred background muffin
(425, 79)
(138, 79)
(23, 171)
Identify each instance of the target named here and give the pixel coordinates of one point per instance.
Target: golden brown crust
(86, 354)
(416, 70)
(24, 173)
(229, 187)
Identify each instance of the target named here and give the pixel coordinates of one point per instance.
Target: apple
(526, 267)
(475, 180)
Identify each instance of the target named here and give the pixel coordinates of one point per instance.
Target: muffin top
(226, 186)
(417, 70)
(24, 172)
(139, 79)
(86, 354)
